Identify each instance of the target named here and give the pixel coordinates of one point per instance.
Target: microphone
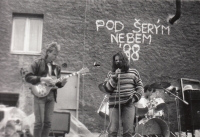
(115, 74)
(64, 65)
(169, 92)
(185, 102)
(118, 70)
(96, 65)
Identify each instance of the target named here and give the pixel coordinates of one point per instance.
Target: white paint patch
(142, 33)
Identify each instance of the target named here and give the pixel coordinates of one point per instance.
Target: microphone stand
(177, 107)
(176, 96)
(118, 88)
(136, 124)
(104, 103)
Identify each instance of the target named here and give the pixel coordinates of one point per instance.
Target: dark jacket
(39, 69)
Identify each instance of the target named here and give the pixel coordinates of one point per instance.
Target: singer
(125, 87)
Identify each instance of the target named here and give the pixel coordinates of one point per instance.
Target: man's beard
(119, 65)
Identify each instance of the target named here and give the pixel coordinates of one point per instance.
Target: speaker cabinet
(61, 122)
(192, 111)
(9, 99)
(1, 115)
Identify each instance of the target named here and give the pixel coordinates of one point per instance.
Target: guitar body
(41, 89)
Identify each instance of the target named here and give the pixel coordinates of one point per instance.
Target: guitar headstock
(83, 70)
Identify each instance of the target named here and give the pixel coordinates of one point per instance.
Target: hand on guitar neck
(63, 81)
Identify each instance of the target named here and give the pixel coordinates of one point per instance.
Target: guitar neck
(70, 75)
(83, 70)
(67, 76)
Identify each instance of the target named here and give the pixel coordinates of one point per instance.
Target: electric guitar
(42, 89)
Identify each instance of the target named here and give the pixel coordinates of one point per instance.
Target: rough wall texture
(76, 25)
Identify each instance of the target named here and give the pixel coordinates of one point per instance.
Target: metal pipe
(178, 12)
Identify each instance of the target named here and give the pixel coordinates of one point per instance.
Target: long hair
(51, 47)
(123, 64)
(148, 87)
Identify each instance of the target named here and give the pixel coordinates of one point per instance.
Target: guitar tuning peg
(85, 74)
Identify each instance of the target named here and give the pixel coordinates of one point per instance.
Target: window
(26, 34)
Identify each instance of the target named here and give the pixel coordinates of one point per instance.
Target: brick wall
(92, 30)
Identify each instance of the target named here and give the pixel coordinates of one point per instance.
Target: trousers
(127, 119)
(43, 110)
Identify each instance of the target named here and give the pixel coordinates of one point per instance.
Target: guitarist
(40, 71)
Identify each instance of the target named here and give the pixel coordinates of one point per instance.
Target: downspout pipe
(178, 12)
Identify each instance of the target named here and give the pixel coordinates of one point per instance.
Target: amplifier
(1, 115)
(61, 122)
(192, 95)
(9, 99)
(192, 111)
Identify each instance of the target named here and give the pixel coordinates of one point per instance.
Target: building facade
(92, 31)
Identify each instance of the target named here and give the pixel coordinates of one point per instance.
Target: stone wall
(92, 31)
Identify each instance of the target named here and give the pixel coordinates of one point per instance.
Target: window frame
(27, 31)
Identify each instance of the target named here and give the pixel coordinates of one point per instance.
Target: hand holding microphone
(115, 74)
(117, 71)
